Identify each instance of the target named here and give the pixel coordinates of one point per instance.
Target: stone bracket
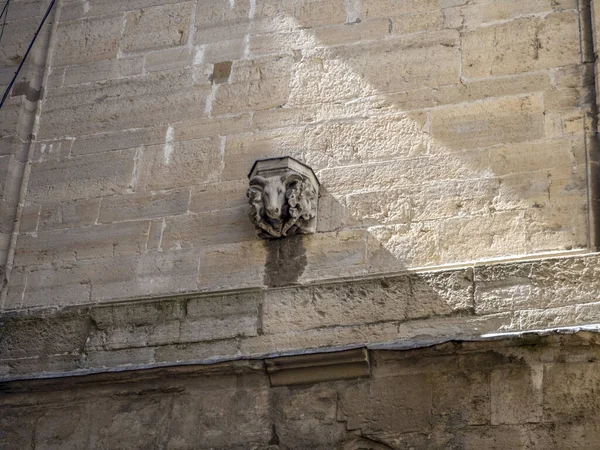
(283, 194)
(317, 367)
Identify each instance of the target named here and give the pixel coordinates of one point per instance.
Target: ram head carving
(283, 200)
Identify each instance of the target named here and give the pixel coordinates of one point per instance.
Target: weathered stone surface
(81, 177)
(142, 206)
(521, 45)
(100, 36)
(156, 28)
(99, 241)
(479, 125)
(176, 164)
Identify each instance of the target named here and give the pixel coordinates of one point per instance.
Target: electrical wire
(4, 10)
(12, 82)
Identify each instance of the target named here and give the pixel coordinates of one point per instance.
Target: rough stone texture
(443, 132)
(528, 392)
(400, 309)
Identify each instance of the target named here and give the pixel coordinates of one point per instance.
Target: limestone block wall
(532, 393)
(443, 132)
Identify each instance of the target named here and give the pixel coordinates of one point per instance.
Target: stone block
(319, 13)
(102, 93)
(202, 417)
(510, 294)
(218, 20)
(521, 45)
(496, 121)
(307, 417)
(461, 399)
(372, 139)
(103, 70)
(371, 68)
(70, 214)
(332, 255)
(404, 172)
(143, 206)
(435, 201)
(202, 351)
(326, 306)
(210, 127)
(88, 40)
(81, 177)
(391, 405)
(215, 257)
(344, 34)
(227, 50)
(120, 140)
(440, 294)
(241, 150)
(51, 150)
(30, 217)
(388, 8)
(569, 391)
(467, 239)
(216, 227)
(530, 156)
(151, 274)
(169, 59)
(37, 336)
(98, 241)
(255, 85)
(158, 27)
(415, 23)
(378, 208)
(177, 164)
(216, 196)
(76, 10)
(484, 12)
(120, 113)
(516, 395)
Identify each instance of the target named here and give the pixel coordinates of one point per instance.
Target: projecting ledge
(317, 367)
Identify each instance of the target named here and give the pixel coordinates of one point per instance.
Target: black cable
(12, 82)
(4, 10)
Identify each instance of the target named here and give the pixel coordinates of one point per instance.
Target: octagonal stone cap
(278, 166)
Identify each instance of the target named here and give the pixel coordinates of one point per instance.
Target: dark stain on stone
(23, 88)
(286, 261)
(221, 72)
(274, 436)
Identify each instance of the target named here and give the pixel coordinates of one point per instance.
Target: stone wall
(526, 393)
(443, 131)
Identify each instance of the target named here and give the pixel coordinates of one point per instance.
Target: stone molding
(316, 367)
(399, 311)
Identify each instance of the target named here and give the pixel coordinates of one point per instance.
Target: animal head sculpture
(283, 201)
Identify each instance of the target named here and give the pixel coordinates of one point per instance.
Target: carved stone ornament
(283, 194)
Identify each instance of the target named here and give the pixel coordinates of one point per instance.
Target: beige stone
(317, 13)
(218, 20)
(103, 70)
(143, 206)
(99, 241)
(80, 177)
(158, 27)
(521, 45)
(72, 214)
(176, 164)
(215, 227)
(496, 121)
(100, 38)
(214, 257)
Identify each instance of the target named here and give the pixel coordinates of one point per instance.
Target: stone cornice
(401, 310)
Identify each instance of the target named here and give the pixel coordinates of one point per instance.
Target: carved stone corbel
(283, 194)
